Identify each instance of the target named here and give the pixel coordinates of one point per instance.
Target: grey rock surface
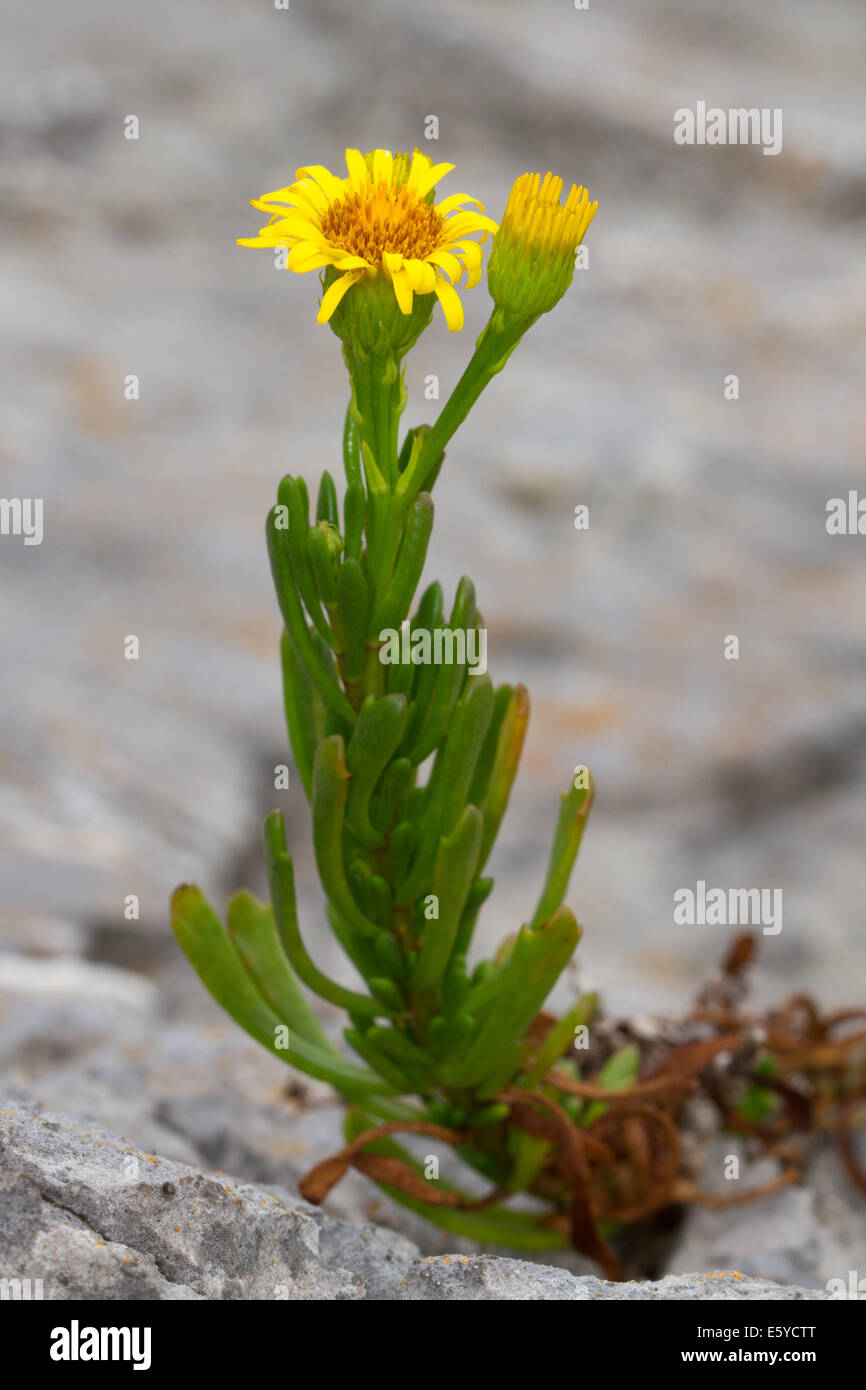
(91, 1216)
(483, 1278)
(802, 1235)
(205, 1234)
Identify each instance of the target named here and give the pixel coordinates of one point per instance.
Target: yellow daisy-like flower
(379, 221)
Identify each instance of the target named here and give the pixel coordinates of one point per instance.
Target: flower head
(532, 261)
(380, 225)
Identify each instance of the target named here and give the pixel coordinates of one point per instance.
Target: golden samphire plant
(375, 686)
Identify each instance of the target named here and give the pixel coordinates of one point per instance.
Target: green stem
(493, 349)
(378, 392)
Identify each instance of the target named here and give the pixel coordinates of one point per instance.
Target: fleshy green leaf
(618, 1073)
(574, 808)
(452, 880)
(302, 716)
(518, 991)
(377, 734)
(253, 933)
(395, 603)
(216, 960)
(293, 617)
(330, 790)
(353, 606)
(509, 746)
(282, 884)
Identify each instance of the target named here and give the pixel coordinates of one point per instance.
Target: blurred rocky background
(707, 515)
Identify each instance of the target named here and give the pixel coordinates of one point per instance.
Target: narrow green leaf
(484, 768)
(464, 612)
(528, 1155)
(292, 534)
(509, 1063)
(618, 1073)
(378, 496)
(282, 885)
(351, 450)
(412, 1060)
(509, 746)
(324, 544)
(400, 851)
(450, 1037)
(302, 719)
(330, 789)
(253, 932)
(559, 1039)
(359, 949)
(293, 617)
(378, 899)
(455, 985)
(452, 880)
(394, 605)
(212, 955)
(379, 1060)
(353, 606)
(431, 606)
(456, 760)
(440, 711)
(523, 984)
(377, 733)
(478, 895)
(409, 449)
(354, 517)
(574, 808)
(388, 992)
(394, 788)
(326, 507)
(390, 956)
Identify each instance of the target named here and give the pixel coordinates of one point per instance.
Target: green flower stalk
(378, 681)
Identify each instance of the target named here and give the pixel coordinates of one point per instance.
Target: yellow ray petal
(422, 277)
(424, 180)
(451, 306)
(470, 252)
(456, 200)
(383, 167)
(356, 164)
(279, 195)
(307, 193)
(403, 290)
(450, 264)
(467, 222)
(344, 262)
(305, 256)
(298, 207)
(331, 186)
(333, 295)
(296, 227)
(421, 163)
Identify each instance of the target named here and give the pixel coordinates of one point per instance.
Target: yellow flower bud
(532, 261)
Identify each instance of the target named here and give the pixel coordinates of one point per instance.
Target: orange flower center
(381, 219)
